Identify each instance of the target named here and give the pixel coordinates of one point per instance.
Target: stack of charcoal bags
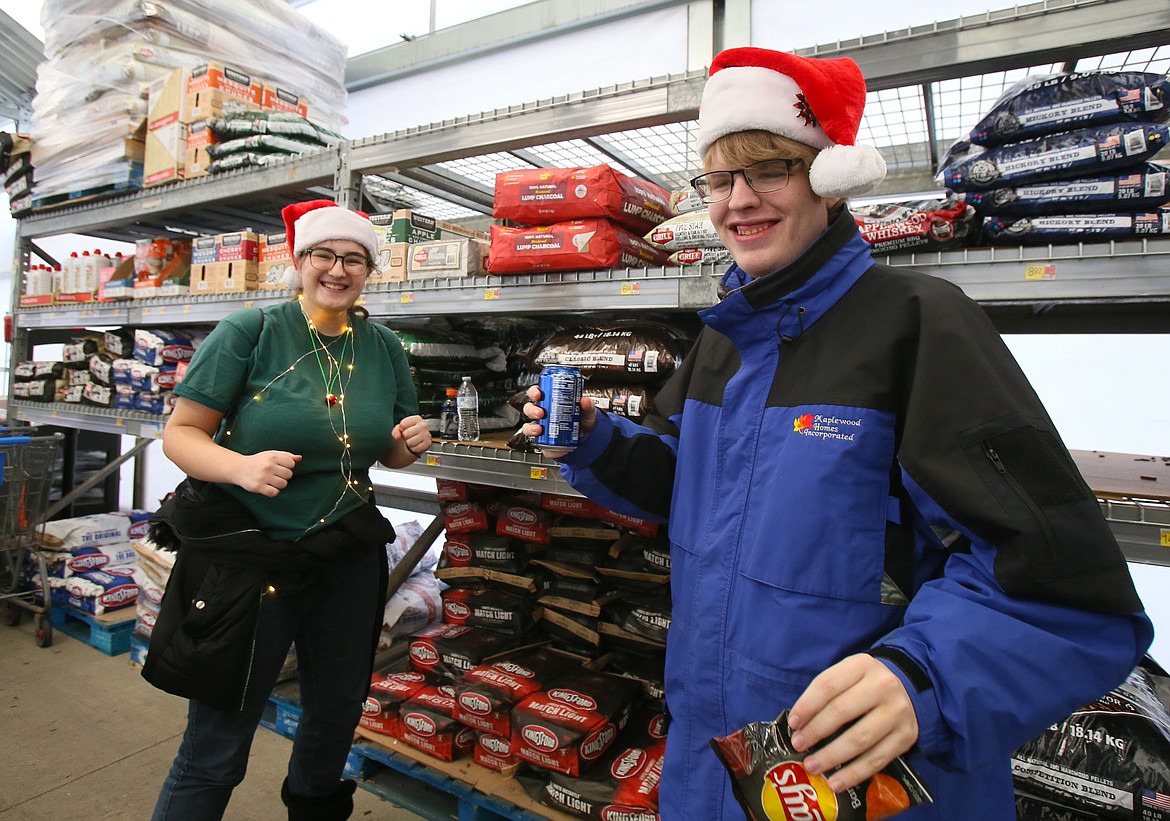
(1065, 158)
(551, 645)
(1108, 760)
(488, 349)
(91, 561)
(624, 363)
(575, 219)
(689, 238)
(257, 138)
(120, 368)
(101, 58)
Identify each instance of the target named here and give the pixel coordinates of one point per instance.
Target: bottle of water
(449, 416)
(467, 402)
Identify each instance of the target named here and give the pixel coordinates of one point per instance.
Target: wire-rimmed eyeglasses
(355, 265)
(762, 177)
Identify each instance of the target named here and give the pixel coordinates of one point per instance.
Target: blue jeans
(334, 642)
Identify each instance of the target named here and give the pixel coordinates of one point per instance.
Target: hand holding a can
(555, 444)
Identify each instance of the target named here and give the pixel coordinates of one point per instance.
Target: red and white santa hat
(309, 223)
(815, 102)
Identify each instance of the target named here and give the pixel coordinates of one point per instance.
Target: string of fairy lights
(336, 374)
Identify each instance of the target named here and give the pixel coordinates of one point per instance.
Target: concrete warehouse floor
(83, 736)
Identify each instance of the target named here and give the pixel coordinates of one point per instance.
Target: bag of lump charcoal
(1110, 758)
(1141, 188)
(1080, 153)
(575, 245)
(1058, 228)
(1036, 106)
(542, 196)
(928, 224)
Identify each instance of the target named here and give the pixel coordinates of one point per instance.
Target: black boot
(336, 806)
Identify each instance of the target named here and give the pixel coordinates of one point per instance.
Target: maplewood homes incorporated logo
(826, 427)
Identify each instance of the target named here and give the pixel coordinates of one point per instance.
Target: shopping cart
(26, 477)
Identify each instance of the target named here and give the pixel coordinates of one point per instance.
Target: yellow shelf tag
(434, 461)
(406, 298)
(492, 293)
(1040, 272)
(538, 473)
(1166, 538)
(631, 288)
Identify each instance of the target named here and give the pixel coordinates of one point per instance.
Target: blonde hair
(743, 148)
(740, 149)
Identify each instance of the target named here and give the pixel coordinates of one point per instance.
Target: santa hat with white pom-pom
(815, 102)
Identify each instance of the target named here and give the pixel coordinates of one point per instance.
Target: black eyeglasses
(355, 265)
(762, 177)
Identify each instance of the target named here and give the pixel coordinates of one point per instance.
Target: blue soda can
(561, 388)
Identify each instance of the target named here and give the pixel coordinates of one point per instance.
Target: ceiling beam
(507, 29)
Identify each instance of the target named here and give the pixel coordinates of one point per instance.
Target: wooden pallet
(471, 791)
(108, 632)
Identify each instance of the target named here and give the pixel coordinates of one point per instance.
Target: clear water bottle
(467, 402)
(449, 416)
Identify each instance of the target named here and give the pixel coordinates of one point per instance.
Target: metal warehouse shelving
(926, 85)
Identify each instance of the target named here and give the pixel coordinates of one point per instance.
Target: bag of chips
(770, 782)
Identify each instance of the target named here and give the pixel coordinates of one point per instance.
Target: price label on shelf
(406, 298)
(631, 288)
(1166, 538)
(434, 460)
(492, 293)
(1040, 272)
(539, 474)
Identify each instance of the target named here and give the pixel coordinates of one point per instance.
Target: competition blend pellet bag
(542, 196)
(1110, 758)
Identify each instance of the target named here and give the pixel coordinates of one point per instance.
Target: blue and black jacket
(851, 461)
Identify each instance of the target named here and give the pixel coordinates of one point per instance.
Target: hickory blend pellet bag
(542, 196)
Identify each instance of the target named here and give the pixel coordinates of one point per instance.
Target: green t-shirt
(243, 370)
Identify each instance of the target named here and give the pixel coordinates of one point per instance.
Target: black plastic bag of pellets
(1142, 188)
(642, 351)
(277, 123)
(1112, 757)
(1084, 152)
(1048, 104)
(1062, 228)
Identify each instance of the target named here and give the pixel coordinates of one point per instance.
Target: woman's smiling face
(333, 290)
(766, 232)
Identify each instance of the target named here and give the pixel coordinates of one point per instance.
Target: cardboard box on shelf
(165, 100)
(458, 257)
(231, 247)
(195, 158)
(275, 258)
(162, 267)
(116, 282)
(231, 277)
(165, 155)
(404, 225)
(281, 99)
(391, 263)
(214, 89)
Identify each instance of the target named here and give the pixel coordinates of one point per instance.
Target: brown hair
(740, 149)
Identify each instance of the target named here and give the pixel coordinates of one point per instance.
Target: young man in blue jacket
(873, 521)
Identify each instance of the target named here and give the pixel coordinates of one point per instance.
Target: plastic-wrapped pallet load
(100, 61)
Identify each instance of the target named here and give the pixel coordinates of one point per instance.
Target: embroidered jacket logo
(826, 427)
